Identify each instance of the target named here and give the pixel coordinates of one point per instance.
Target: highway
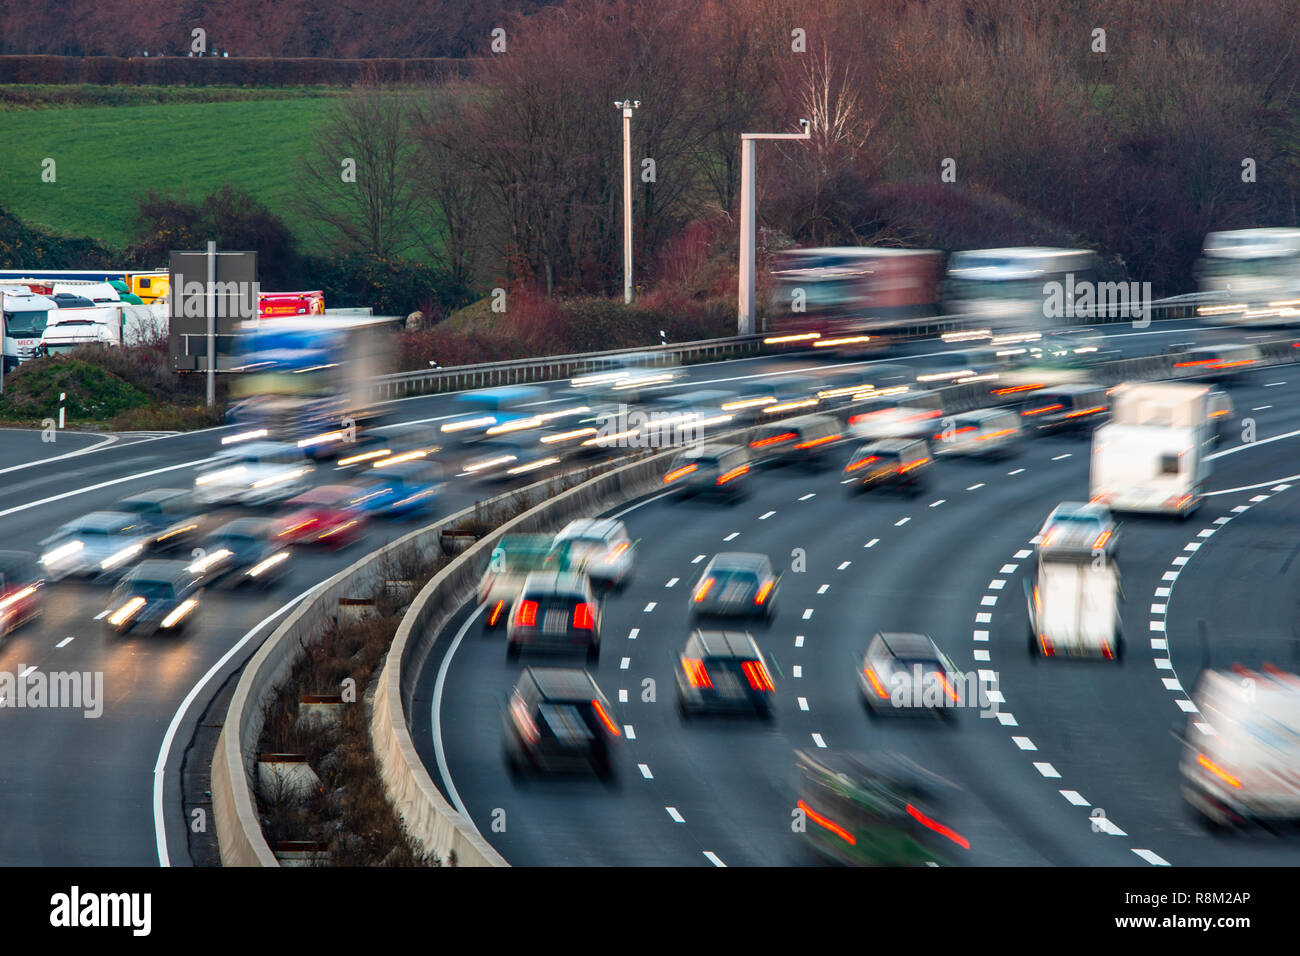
(103, 791)
(1079, 766)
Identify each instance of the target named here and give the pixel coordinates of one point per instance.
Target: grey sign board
(236, 291)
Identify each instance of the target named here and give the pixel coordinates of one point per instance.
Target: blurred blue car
(401, 488)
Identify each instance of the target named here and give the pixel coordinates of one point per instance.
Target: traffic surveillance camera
(804, 125)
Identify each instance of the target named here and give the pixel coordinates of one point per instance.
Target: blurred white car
(599, 547)
(255, 474)
(987, 432)
(100, 543)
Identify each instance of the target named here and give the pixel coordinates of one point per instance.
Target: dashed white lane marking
(1157, 625)
(938, 503)
(817, 739)
(975, 487)
(1169, 576)
(988, 600)
(901, 521)
(1271, 384)
(997, 584)
(798, 640)
(1061, 457)
(672, 582)
(1153, 858)
(982, 656)
(1186, 706)
(823, 589)
(1158, 608)
(631, 635)
(1024, 743)
(796, 671)
(1179, 561)
(713, 858)
(1258, 498)
(1159, 644)
(1022, 554)
(1016, 472)
(629, 731)
(732, 536)
(645, 771)
(807, 613)
(1240, 508)
(981, 635)
(622, 695)
(1279, 488)
(766, 516)
(1205, 728)
(103, 613)
(1046, 769)
(803, 703)
(1163, 592)
(1224, 520)
(995, 697)
(811, 494)
(64, 643)
(983, 618)
(1171, 683)
(1164, 664)
(872, 543)
(651, 606)
(1075, 798)
(625, 663)
(843, 565)
(1009, 569)
(1107, 825)
(27, 670)
(677, 817)
(1260, 408)
(1008, 720)
(697, 559)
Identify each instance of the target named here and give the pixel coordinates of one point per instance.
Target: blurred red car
(329, 516)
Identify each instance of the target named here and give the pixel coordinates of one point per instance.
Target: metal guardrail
(553, 367)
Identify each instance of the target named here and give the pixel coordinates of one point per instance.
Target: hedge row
(226, 71)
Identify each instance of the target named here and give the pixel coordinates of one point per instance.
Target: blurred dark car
(721, 470)
(873, 810)
(890, 463)
(809, 440)
(327, 516)
(723, 672)
(1077, 407)
(555, 611)
(243, 551)
(154, 596)
(21, 589)
(557, 720)
(736, 584)
(170, 515)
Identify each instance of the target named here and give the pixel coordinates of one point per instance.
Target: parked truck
(110, 324)
(308, 379)
(1074, 599)
(1152, 456)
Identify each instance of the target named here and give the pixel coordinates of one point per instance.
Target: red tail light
(817, 441)
(527, 727)
(695, 672)
(764, 591)
(604, 718)
(938, 827)
(1102, 539)
(1044, 409)
(496, 613)
(827, 823)
(758, 677)
(681, 472)
(734, 473)
(526, 615)
(774, 440)
(878, 687)
(703, 590)
(1218, 771)
(584, 617)
(861, 462)
(1096, 409)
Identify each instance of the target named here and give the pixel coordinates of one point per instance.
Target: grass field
(106, 156)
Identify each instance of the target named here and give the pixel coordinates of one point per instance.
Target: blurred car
(873, 810)
(328, 516)
(600, 548)
(736, 584)
(21, 589)
(723, 671)
(907, 673)
(558, 720)
(721, 470)
(890, 463)
(1217, 363)
(910, 415)
(1089, 524)
(1241, 748)
(153, 596)
(102, 543)
(401, 489)
(170, 515)
(1074, 407)
(505, 457)
(256, 473)
(808, 440)
(959, 365)
(555, 611)
(985, 432)
(1219, 410)
(243, 551)
(513, 559)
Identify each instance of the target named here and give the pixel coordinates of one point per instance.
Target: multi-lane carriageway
(79, 791)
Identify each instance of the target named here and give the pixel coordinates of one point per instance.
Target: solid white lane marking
(1153, 858)
(103, 484)
(71, 454)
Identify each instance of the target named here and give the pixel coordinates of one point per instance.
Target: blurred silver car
(101, 543)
